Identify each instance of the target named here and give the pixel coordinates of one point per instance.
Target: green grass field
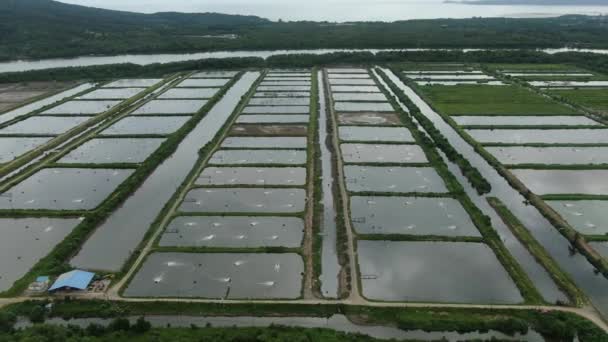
(482, 99)
(592, 98)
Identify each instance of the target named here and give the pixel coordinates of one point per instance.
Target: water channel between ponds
(576, 265)
(158, 188)
(330, 268)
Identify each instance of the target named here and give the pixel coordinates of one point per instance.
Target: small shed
(73, 280)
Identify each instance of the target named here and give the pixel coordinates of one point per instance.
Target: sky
(344, 10)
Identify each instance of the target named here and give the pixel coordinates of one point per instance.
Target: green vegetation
(564, 281)
(481, 100)
(557, 326)
(593, 99)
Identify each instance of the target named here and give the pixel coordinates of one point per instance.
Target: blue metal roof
(75, 279)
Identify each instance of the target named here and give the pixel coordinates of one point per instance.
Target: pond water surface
(550, 155)
(265, 142)
(43, 125)
(99, 151)
(134, 83)
(83, 107)
(543, 182)
(527, 120)
(252, 157)
(292, 176)
(587, 217)
(168, 107)
(11, 148)
(375, 134)
(393, 179)
(244, 200)
(382, 153)
(135, 125)
(187, 93)
(292, 118)
(111, 94)
(544, 136)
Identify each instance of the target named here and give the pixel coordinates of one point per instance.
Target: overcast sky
(342, 10)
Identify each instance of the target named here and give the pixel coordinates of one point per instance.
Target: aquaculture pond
(27, 240)
(11, 148)
(410, 216)
(108, 150)
(354, 89)
(146, 125)
(587, 217)
(601, 247)
(375, 134)
(543, 182)
(244, 200)
(277, 109)
(455, 83)
(359, 97)
(347, 71)
(203, 82)
(283, 88)
(349, 76)
(265, 142)
(112, 94)
(83, 107)
(525, 120)
(219, 276)
(368, 119)
(514, 155)
(43, 125)
(279, 101)
(64, 189)
(451, 77)
(281, 94)
(215, 74)
(233, 232)
(364, 107)
(344, 81)
(382, 153)
(149, 199)
(133, 82)
(268, 130)
(188, 93)
(167, 107)
(544, 136)
(263, 157)
(292, 176)
(292, 118)
(285, 82)
(447, 272)
(381, 179)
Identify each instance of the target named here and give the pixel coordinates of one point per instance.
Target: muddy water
(268, 130)
(368, 119)
(154, 193)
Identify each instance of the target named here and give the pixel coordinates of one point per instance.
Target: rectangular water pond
(285, 82)
(364, 107)
(601, 248)
(444, 272)
(260, 176)
(526, 120)
(272, 78)
(351, 76)
(83, 107)
(171, 107)
(203, 83)
(187, 93)
(351, 81)
(369, 119)
(244, 200)
(124, 150)
(451, 77)
(411, 216)
(544, 182)
(290, 94)
(393, 179)
(263, 157)
(277, 110)
(233, 232)
(347, 71)
(545, 136)
(354, 89)
(134, 83)
(267, 142)
(587, 217)
(359, 97)
(279, 101)
(382, 153)
(27, 240)
(288, 74)
(44, 125)
(283, 88)
(219, 276)
(146, 125)
(292, 118)
(11, 148)
(64, 189)
(266, 130)
(377, 134)
(215, 74)
(112, 94)
(514, 155)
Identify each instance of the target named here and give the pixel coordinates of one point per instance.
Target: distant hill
(533, 2)
(50, 29)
